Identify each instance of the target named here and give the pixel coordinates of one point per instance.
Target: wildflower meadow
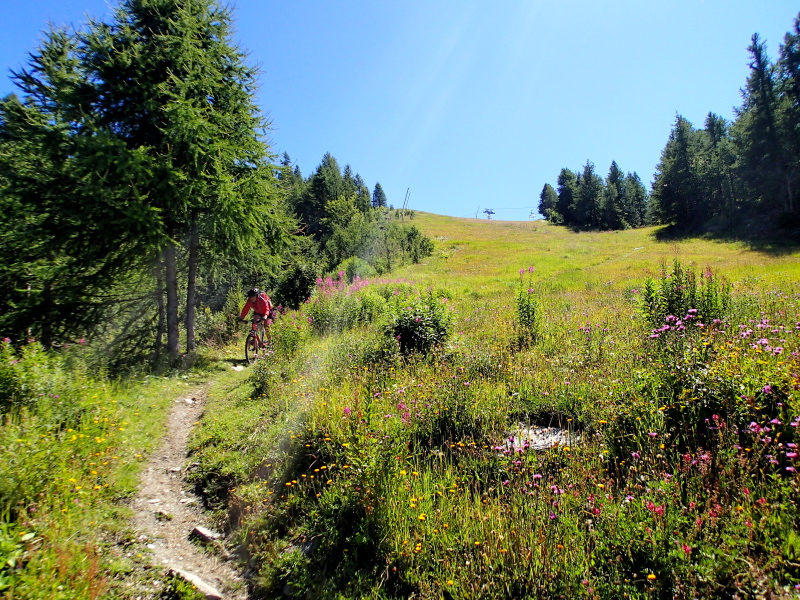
(532, 413)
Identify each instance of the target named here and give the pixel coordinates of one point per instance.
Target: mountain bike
(257, 342)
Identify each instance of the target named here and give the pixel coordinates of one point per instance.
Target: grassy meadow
(384, 450)
(380, 452)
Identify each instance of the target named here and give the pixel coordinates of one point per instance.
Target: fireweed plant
(527, 317)
(416, 474)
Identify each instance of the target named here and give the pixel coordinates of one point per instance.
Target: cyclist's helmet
(253, 292)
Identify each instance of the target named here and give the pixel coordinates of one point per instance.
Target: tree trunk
(160, 305)
(47, 325)
(194, 244)
(171, 269)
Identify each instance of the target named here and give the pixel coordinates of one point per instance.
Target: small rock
(189, 400)
(205, 535)
(188, 501)
(237, 368)
(175, 470)
(204, 588)
(153, 501)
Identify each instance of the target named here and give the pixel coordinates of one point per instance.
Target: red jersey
(261, 305)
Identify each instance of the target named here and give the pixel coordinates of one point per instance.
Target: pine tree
(363, 200)
(588, 204)
(789, 110)
(635, 200)
(324, 186)
(716, 169)
(760, 144)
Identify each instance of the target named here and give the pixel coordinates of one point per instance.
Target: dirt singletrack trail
(166, 514)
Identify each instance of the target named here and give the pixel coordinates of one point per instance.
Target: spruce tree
(588, 204)
(760, 144)
(566, 186)
(613, 202)
(635, 200)
(378, 197)
(548, 204)
(676, 185)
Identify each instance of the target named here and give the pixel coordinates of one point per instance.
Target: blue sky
(471, 104)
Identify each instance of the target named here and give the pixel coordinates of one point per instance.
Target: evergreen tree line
(137, 181)
(583, 200)
(343, 228)
(734, 169)
(749, 166)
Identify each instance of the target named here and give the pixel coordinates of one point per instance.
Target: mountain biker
(261, 305)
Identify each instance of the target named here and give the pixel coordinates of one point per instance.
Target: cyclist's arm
(246, 309)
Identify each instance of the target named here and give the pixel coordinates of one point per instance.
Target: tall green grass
(382, 474)
(72, 443)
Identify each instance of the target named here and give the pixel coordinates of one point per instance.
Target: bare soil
(166, 513)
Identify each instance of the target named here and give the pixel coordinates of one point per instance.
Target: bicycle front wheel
(251, 348)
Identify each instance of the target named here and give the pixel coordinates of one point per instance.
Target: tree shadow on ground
(777, 235)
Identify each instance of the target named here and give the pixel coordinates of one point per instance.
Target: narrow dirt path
(165, 514)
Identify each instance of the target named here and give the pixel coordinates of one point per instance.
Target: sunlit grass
(360, 472)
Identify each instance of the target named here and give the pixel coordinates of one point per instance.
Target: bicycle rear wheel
(251, 347)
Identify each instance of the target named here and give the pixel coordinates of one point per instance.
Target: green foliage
(356, 268)
(289, 333)
(296, 281)
(421, 323)
(336, 307)
(682, 292)
(528, 314)
(217, 328)
(144, 137)
(177, 588)
(548, 205)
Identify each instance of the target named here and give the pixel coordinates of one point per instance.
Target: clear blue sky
(470, 103)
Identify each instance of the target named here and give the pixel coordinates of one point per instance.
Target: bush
(296, 283)
(678, 291)
(219, 328)
(289, 332)
(421, 324)
(527, 321)
(356, 268)
(335, 307)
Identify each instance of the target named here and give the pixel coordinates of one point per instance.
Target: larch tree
(163, 92)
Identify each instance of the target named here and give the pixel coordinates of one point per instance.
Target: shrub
(421, 324)
(219, 328)
(356, 268)
(289, 333)
(678, 291)
(336, 307)
(296, 283)
(528, 313)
